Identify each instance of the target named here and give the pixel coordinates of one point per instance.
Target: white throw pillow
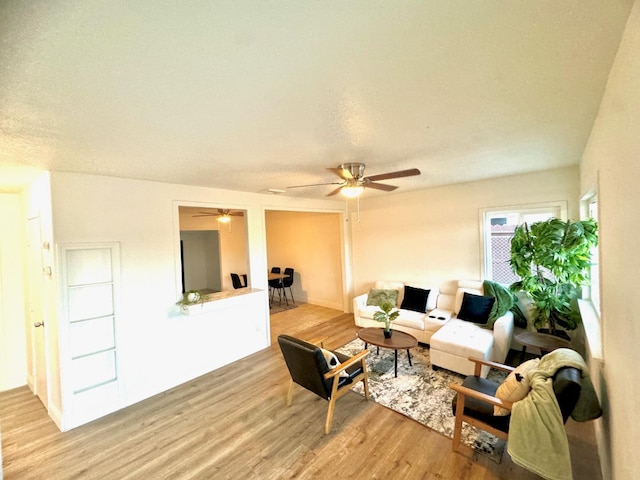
(332, 361)
(516, 386)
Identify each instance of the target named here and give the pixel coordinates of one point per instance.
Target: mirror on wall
(213, 245)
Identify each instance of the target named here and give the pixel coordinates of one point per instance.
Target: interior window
(213, 245)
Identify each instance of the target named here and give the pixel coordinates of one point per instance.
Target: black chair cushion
(478, 409)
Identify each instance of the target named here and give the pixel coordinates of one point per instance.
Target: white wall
(311, 244)
(612, 160)
(13, 351)
(159, 348)
(434, 235)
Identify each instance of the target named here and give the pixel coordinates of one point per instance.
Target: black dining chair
(237, 283)
(274, 284)
(287, 282)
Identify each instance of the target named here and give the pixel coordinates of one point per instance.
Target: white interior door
(36, 333)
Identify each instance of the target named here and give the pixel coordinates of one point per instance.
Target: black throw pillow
(476, 308)
(415, 299)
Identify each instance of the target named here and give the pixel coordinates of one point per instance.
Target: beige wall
(310, 243)
(612, 160)
(434, 235)
(13, 353)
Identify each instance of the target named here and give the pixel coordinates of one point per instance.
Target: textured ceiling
(252, 95)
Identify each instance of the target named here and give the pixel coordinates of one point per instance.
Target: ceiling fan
(223, 215)
(354, 182)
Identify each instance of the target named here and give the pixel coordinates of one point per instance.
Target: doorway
(312, 244)
(36, 328)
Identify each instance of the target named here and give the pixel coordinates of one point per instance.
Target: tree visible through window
(498, 226)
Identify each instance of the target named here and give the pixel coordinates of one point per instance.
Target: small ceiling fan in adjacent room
(223, 216)
(354, 182)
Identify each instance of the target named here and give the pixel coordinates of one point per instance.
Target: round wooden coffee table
(398, 341)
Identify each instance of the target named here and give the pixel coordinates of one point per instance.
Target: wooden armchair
(309, 369)
(475, 399)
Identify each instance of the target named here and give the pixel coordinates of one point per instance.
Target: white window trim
(591, 312)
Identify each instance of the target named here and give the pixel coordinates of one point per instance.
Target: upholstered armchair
(476, 398)
(309, 366)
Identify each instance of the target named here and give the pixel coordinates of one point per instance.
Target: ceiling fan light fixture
(224, 218)
(351, 191)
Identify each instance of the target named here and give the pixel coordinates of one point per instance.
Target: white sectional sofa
(452, 340)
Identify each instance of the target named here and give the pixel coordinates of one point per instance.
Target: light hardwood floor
(233, 423)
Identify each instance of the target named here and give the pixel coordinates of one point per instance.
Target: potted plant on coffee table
(552, 259)
(387, 314)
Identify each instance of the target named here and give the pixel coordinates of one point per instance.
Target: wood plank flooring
(233, 424)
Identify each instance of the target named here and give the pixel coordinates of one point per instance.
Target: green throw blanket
(537, 436)
(505, 301)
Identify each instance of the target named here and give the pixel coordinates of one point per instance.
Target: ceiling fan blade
(342, 173)
(206, 215)
(236, 214)
(315, 184)
(381, 186)
(334, 192)
(386, 176)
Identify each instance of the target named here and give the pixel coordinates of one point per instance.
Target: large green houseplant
(552, 259)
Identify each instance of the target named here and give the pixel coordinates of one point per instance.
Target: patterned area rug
(421, 393)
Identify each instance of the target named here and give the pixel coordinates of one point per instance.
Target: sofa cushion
(415, 299)
(377, 297)
(368, 311)
(411, 319)
(516, 386)
(476, 308)
(463, 339)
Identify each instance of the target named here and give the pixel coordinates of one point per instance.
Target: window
(498, 225)
(210, 248)
(594, 288)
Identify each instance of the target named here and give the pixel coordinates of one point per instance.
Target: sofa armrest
(502, 336)
(359, 302)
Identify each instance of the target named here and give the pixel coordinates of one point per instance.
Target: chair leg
(457, 429)
(365, 380)
(292, 299)
(327, 425)
(290, 393)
